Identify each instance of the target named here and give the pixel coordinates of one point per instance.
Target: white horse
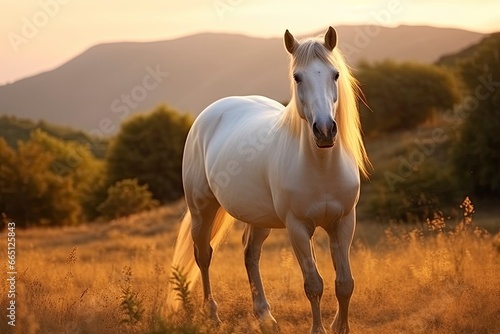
(295, 167)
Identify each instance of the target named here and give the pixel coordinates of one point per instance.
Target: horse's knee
(313, 287)
(344, 288)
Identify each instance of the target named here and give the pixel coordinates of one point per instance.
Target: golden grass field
(72, 280)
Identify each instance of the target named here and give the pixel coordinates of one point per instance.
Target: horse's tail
(183, 260)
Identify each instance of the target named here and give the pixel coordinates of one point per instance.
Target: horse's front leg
(253, 239)
(300, 234)
(340, 243)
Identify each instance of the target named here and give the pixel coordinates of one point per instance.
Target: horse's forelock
(309, 50)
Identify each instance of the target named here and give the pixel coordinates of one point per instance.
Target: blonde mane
(347, 113)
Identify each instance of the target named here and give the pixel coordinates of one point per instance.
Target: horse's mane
(347, 113)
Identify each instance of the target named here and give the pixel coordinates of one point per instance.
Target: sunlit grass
(112, 278)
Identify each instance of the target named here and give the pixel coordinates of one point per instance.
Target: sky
(39, 35)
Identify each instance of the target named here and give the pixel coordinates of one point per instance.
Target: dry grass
(111, 278)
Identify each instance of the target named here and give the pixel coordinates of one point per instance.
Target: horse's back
(237, 109)
(231, 120)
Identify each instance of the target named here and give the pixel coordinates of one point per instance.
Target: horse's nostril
(334, 129)
(316, 131)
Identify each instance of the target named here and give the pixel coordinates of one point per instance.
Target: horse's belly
(248, 200)
(255, 215)
(242, 189)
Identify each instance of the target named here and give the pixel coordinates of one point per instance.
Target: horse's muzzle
(325, 133)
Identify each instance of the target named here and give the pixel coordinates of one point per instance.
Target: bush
(404, 95)
(125, 198)
(409, 183)
(429, 190)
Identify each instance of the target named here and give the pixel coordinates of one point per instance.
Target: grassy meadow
(111, 278)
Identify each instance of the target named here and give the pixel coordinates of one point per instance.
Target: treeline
(15, 130)
(46, 179)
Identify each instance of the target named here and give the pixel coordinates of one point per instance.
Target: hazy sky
(38, 35)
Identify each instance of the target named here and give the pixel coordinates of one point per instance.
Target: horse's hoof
(338, 328)
(268, 325)
(210, 310)
(319, 330)
(214, 318)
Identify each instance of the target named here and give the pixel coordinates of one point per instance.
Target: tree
(30, 193)
(404, 95)
(149, 148)
(125, 198)
(476, 154)
(49, 181)
(76, 162)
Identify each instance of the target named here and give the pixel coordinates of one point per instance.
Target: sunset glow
(38, 35)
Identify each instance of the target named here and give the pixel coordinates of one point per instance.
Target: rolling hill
(108, 82)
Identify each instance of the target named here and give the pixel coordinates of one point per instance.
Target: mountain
(108, 82)
(454, 59)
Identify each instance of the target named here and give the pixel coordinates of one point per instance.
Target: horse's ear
(290, 42)
(330, 39)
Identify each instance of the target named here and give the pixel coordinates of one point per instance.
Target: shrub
(126, 197)
(404, 95)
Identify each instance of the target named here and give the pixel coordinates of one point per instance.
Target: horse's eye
(297, 77)
(336, 76)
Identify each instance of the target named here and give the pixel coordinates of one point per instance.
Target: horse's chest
(324, 201)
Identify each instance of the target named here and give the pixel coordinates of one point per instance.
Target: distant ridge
(454, 59)
(109, 82)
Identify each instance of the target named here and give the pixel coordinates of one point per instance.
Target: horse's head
(315, 85)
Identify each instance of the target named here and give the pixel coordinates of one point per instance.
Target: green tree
(476, 154)
(76, 162)
(404, 95)
(30, 193)
(125, 198)
(149, 148)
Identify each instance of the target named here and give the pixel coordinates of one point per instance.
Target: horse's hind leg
(253, 238)
(201, 228)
